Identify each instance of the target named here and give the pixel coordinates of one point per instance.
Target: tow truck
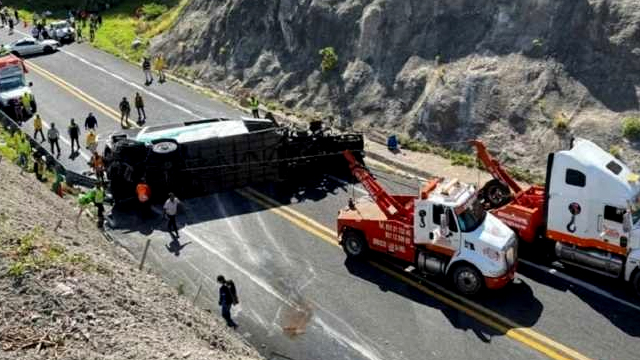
(444, 230)
(586, 215)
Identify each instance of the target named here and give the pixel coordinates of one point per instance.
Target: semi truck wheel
(635, 282)
(496, 193)
(354, 244)
(467, 280)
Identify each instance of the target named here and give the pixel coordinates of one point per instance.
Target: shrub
(561, 122)
(152, 11)
(616, 151)
(631, 128)
(329, 59)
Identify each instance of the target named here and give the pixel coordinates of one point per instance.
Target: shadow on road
(623, 317)
(517, 299)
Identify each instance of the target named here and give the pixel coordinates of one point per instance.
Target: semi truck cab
(593, 210)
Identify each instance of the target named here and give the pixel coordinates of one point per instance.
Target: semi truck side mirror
(626, 222)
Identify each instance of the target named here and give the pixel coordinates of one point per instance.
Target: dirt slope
(80, 297)
(440, 71)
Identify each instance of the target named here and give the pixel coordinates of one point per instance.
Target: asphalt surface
(300, 298)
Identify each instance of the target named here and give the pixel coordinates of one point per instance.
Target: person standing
(170, 210)
(17, 16)
(226, 300)
(142, 116)
(98, 201)
(79, 37)
(97, 164)
(146, 68)
(37, 128)
(26, 103)
(144, 195)
(24, 150)
(10, 26)
(40, 166)
(53, 135)
(125, 110)
(74, 134)
(255, 105)
(159, 67)
(92, 32)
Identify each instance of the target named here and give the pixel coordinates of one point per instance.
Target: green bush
(560, 122)
(631, 128)
(329, 59)
(615, 150)
(153, 11)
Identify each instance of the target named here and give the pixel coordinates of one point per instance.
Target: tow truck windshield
(11, 83)
(471, 216)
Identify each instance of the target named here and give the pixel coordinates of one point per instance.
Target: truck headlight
(491, 254)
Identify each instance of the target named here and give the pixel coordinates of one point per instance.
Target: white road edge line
(130, 83)
(268, 288)
(549, 270)
(66, 141)
(580, 283)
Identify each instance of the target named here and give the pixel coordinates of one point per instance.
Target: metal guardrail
(71, 177)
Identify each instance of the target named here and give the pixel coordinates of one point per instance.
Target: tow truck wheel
(354, 244)
(635, 282)
(467, 280)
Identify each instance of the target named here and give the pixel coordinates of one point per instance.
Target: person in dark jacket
(227, 299)
(146, 67)
(90, 123)
(74, 134)
(125, 110)
(142, 116)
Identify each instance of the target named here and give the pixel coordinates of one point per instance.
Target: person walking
(91, 141)
(37, 128)
(79, 37)
(10, 26)
(92, 32)
(91, 123)
(226, 299)
(53, 135)
(17, 16)
(254, 104)
(125, 110)
(170, 210)
(74, 134)
(159, 67)
(142, 116)
(146, 68)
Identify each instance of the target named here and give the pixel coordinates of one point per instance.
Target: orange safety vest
(97, 162)
(144, 192)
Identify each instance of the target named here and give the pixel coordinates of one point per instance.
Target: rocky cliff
(512, 72)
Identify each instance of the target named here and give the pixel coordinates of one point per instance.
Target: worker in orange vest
(97, 164)
(144, 195)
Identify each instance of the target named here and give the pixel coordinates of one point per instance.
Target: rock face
(437, 70)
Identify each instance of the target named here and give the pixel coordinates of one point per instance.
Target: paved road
(300, 299)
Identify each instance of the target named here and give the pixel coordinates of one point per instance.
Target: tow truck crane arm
(493, 166)
(392, 208)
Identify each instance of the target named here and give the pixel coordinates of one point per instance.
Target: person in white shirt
(170, 209)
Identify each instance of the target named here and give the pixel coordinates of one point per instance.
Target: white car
(62, 31)
(30, 46)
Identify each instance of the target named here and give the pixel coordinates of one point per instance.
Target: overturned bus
(205, 156)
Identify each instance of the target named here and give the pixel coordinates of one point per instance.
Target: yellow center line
(522, 334)
(513, 330)
(104, 109)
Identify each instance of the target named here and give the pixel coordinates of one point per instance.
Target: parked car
(62, 31)
(30, 46)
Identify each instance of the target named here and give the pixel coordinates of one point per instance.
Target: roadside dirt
(67, 293)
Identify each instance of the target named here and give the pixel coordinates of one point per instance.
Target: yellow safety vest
(99, 197)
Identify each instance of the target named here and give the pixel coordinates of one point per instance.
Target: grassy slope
(119, 27)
